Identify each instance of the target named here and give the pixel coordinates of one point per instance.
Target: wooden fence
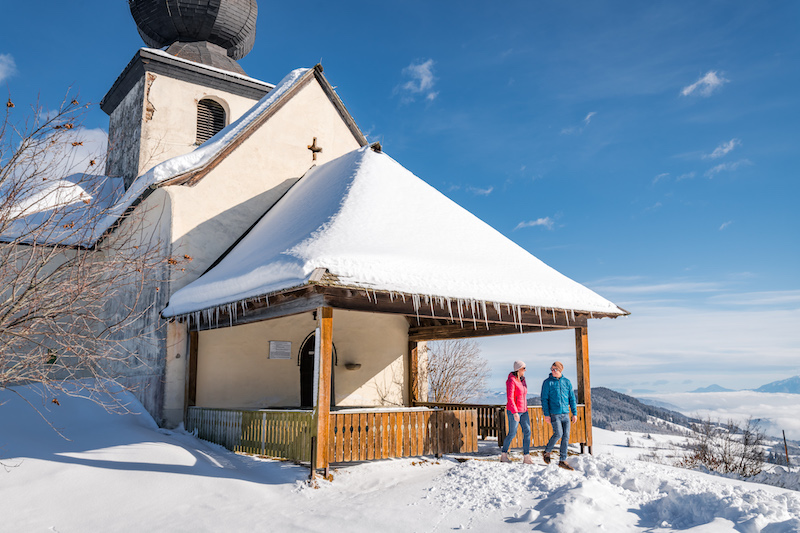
(355, 435)
(380, 434)
(277, 433)
(541, 431)
(489, 416)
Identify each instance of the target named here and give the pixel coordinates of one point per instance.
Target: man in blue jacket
(558, 399)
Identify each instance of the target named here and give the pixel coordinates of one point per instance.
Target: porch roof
(368, 223)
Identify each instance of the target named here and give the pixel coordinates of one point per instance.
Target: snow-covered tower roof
(368, 223)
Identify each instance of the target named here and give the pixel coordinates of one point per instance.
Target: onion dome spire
(211, 32)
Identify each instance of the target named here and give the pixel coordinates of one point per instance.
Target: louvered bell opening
(210, 120)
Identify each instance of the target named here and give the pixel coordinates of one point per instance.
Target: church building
(315, 267)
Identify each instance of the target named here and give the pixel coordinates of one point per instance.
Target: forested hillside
(619, 412)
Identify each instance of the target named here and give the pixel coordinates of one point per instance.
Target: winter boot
(546, 457)
(564, 465)
(527, 459)
(504, 458)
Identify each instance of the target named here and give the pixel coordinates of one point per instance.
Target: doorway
(306, 362)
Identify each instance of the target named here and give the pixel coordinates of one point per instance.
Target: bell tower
(186, 87)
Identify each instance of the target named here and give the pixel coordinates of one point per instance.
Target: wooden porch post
(413, 373)
(322, 409)
(584, 387)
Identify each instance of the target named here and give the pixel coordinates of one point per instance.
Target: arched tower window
(210, 119)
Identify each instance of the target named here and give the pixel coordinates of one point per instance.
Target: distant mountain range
(712, 388)
(791, 386)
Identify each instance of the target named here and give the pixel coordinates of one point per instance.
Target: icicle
(499, 309)
(519, 314)
(572, 311)
(474, 311)
(566, 317)
(430, 300)
(460, 313)
(450, 308)
(554, 314)
(485, 315)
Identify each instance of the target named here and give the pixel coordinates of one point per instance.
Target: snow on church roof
(375, 225)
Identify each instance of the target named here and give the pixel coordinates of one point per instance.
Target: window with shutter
(210, 119)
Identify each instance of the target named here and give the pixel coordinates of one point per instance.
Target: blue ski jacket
(558, 396)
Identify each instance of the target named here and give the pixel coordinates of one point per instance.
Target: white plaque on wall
(280, 350)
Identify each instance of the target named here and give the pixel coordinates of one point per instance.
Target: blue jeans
(525, 422)
(560, 425)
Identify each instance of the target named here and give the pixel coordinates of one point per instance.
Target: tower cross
(314, 149)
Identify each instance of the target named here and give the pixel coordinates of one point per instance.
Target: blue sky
(648, 150)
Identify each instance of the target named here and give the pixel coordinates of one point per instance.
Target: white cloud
(579, 129)
(421, 82)
(660, 177)
(481, 192)
(725, 225)
(766, 298)
(687, 176)
(692, 287)
(7, 67)
(723, 149)
(706, 85)
(724, 167)
(547, 222)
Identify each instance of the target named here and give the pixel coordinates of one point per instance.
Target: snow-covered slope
(122, 473)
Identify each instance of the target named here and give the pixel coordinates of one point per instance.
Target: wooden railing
(364, 435)
(489, 416)
(273, 433)
(541, 431)
(354, 435)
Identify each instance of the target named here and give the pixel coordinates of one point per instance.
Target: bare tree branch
(72, 308)
(455, 371)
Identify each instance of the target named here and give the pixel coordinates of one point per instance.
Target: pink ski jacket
(517, 393)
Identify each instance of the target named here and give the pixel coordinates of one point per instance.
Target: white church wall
(169, 126)
(211, 215)
(234, 369)
(379, 343)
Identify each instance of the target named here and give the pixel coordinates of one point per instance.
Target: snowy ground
(122, 473)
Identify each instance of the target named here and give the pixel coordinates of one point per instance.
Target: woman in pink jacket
(517, 412)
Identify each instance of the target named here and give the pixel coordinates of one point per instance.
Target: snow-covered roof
(374, 225)
(92, 220)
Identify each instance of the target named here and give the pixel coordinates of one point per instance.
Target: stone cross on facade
(314, 149)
